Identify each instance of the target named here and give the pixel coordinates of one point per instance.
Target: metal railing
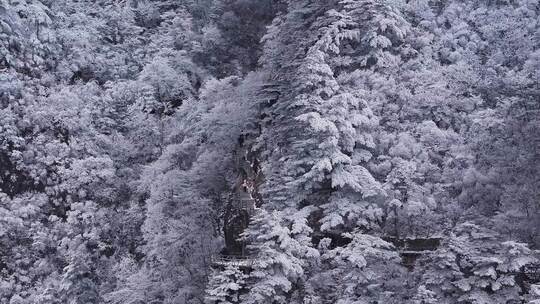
(232, 260)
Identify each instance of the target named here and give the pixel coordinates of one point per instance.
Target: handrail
(230, 257)
(419, 249)
(405, 251)
(235, 260)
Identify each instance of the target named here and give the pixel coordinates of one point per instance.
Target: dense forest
(269, 151)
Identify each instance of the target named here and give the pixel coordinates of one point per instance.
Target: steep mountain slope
(269, 151)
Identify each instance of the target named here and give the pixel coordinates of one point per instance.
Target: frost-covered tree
(474, 267)
(225, 286)
(28, 42)
(365, 270)
(280, 253)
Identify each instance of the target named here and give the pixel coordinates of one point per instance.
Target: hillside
(269, 151)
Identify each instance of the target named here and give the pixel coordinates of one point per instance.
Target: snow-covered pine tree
(473, 266)
(316, 140)
(366, 270)
(327, 123)
(281, 256)
(225, 286)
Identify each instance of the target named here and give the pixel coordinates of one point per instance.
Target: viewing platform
(410, 249)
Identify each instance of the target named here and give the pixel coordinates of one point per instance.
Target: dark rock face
(235, 224)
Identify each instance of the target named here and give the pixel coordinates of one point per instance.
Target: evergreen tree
(225, 286)
(473, 267)
(281, 252)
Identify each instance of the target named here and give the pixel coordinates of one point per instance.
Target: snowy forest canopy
(269, 151)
